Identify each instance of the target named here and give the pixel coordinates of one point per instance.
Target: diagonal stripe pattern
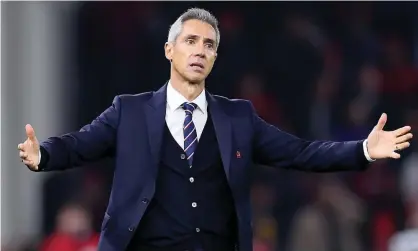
(189, 130)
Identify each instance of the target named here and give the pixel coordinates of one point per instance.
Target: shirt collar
(175, 99)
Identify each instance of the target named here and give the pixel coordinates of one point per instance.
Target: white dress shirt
(175, 116)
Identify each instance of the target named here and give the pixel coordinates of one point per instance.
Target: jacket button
(182, 156)
(145, 200)
(131, 229)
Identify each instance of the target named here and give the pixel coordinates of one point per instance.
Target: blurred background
(317, 70)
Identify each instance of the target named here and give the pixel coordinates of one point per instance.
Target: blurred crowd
(317, 70)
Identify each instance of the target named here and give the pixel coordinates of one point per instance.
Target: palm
(383, 144)
(29, 150)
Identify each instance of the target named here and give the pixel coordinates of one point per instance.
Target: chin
(196, 79)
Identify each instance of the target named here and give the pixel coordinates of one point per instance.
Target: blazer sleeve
(92, 142)
(274, 147)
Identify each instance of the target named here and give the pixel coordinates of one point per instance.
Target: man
(183, 156)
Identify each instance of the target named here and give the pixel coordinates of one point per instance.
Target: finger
(30, 132)
(23, 155)
(403, 138)
(20, 147)
(395, 155)
(402, 146)
(28, 162)
(402, 131)
(382, 121)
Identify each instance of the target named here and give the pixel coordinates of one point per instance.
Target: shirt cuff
(366, 152)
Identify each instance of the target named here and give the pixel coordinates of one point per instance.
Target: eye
(189, 41)
(209, 45)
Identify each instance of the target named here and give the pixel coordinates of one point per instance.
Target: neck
(186, 88)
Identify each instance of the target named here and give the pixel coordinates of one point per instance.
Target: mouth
(197, 66)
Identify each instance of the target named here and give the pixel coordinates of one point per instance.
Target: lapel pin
(238, 154)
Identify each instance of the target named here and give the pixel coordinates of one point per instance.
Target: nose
(200, 50)
(200, 54)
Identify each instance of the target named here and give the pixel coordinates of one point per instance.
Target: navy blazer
(131, 130)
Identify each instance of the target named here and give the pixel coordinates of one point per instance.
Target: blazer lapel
(155, 112)
(223, 130)
(155, 117)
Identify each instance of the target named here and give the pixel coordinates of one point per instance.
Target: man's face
(194, 51)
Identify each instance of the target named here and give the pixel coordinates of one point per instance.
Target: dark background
(318, 70)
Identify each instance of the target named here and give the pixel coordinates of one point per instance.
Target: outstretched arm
(90, 143)
(274, 147)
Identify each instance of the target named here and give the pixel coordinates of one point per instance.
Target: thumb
(30, 132)
(382, 121)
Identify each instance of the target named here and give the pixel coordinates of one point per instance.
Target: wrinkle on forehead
(198, 28)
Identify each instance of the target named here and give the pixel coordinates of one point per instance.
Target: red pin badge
(238, 155)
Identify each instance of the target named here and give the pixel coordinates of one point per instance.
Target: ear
(168, 47)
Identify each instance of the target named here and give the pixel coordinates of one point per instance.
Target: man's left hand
(385, 144)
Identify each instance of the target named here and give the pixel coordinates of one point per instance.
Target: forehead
(198, 28)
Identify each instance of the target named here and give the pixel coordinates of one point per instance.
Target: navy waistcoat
(192, 207)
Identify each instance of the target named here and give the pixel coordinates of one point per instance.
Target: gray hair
(193, 14)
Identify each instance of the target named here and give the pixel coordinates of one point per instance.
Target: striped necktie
(189, 130)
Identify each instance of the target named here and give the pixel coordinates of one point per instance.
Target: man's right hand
(29, 150)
